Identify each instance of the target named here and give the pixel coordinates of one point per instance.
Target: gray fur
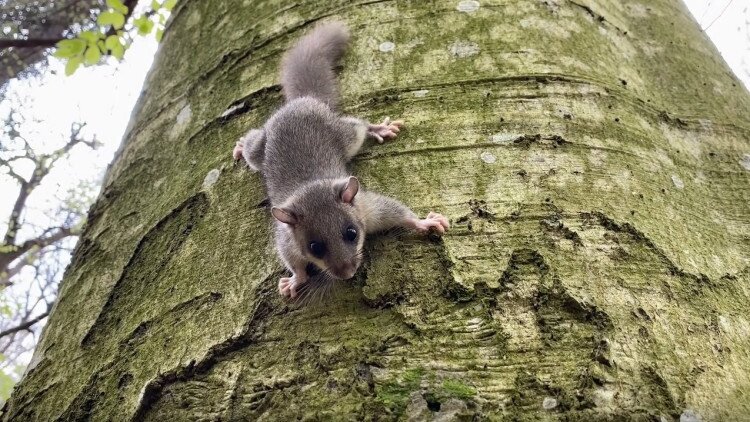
(308, 68)
(302, 152)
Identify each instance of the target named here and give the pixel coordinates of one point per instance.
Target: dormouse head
(325, 225)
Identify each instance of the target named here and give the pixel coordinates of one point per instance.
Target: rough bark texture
(592, 155)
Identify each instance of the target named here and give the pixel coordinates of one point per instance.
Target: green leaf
(117, 20)
(155, 5)
(144, 25)
(159, 34)
(114, 45)
(70, 48)
(90, 37)
(72, 65)
(118, 6)
(92, 55)
(169, 4)
(112, 41)
(118, 51)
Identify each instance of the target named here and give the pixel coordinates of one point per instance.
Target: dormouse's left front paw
(386, 130)
(433, 221)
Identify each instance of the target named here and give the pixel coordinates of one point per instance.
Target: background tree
(34, 247)
(82, 30)
(594, 157)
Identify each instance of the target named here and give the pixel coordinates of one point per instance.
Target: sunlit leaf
(118, 6)
(111, 41)
(90, 37)
(72, 65)
(118, 51)
(144, 25)
(70, 48)
(117, 20)
(169, 4)
(114, 45)
(155, 5)
(93, 55)
(159, 34)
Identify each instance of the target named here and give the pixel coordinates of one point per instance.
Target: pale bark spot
(679, 184)
(211, 178)
(487, 157)
(420, 93)
(181, 121)
(549, 403)
(690, 416)
(387, 46)
(467, 6)
(745, 162)
(463, 49)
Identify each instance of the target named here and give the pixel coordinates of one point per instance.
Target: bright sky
(103, 97)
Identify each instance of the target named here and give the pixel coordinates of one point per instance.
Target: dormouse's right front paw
(288, 287)
(237, 151)
(433, 221)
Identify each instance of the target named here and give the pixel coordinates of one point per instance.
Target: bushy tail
(308, 68)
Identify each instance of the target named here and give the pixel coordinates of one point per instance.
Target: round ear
(350, 190)
(285, 216)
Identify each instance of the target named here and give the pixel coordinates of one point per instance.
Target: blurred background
(64, 107)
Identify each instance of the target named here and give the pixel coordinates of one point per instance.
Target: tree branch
(42, 165)
(29, 42)
(25, 325)
(6, 257)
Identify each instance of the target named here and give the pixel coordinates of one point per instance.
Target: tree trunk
(593, 156)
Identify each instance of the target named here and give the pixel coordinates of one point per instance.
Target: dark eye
(350, 234)
(318, 249)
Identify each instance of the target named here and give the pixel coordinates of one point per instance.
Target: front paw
(237, 151)
(288, 287)
(435, 221)
(385, 130)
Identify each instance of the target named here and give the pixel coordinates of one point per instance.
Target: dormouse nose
(346, 271)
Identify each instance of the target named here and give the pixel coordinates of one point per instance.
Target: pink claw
(433, 221)
(237, 151)
(385, 130)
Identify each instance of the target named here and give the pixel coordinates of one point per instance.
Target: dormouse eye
(318, 249)
(350, 234)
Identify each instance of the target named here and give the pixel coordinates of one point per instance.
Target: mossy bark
(593, 156)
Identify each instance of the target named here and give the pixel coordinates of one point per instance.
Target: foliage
(111, 35)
